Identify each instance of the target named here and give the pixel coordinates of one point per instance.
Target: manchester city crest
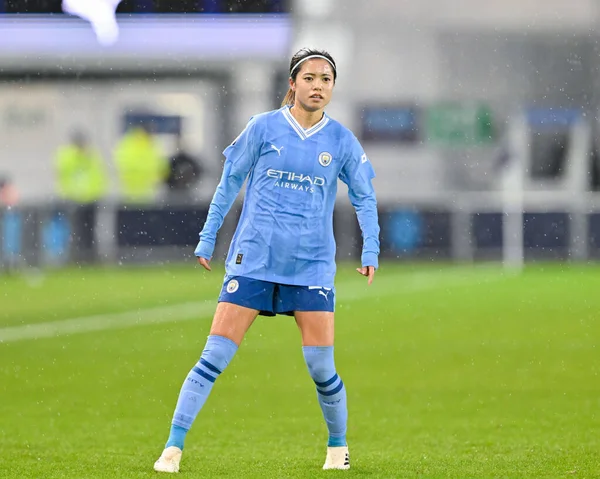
(325, 159)
(232, 286)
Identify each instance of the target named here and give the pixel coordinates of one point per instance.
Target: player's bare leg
(232, 321)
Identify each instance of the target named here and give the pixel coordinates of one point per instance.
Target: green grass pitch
(451, 372)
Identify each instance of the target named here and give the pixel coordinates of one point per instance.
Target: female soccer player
(281, 258)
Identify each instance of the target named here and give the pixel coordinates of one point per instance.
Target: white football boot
(337, 458)
(168, 460)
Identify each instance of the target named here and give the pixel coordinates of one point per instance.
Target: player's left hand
(368, 271)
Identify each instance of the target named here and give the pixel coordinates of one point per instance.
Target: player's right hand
(205, 263)
(368, 271)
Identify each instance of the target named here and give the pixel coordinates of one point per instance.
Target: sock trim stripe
(206, 376)
(333, 391)
(328, 382)
(207, 365)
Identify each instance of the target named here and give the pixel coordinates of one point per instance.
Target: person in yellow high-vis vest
(141, 166)
(80, 172)
(82, 182)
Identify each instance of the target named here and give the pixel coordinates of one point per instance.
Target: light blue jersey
(285, 232)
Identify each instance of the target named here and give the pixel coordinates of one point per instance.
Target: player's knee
(320, 362)
(218, 353)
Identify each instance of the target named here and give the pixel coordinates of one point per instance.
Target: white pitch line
(101, 322)
(201, 309)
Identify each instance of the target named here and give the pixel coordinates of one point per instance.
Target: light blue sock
(331, 391)
(217, 354)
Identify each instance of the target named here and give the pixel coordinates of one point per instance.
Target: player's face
(314, 84)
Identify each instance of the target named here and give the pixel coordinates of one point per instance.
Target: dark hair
(298, 57)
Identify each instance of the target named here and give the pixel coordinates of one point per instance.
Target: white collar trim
(302, 133)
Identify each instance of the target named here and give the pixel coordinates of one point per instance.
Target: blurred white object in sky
(100, 13)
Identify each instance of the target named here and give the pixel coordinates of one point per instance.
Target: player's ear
(292, 84)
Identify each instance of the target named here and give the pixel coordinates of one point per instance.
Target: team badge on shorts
(233, 286)
(325, 159)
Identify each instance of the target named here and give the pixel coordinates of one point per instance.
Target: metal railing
(458, 227)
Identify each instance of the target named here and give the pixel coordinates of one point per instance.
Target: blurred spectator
(8, 193)
(82, 181)
(80, 171)
(11, 230)
(184, 171)
(594, 169)
(140, 164)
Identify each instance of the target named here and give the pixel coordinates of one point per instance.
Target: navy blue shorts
(273, 298)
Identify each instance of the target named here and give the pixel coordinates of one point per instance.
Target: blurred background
(480, 121)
